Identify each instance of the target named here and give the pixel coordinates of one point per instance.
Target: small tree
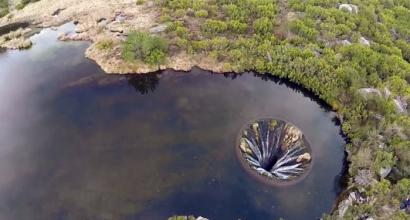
(142, 46)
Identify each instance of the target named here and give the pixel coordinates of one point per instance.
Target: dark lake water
(78, 144)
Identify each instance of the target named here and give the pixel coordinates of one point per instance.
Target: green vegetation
(23, 3)
(105, 44)
(4, 8)
(332, 52)
(142, 46)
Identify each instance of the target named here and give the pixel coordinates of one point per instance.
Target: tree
(142, 46)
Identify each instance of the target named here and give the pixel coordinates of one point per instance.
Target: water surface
(78, 144)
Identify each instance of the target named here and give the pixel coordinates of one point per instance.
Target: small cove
(79, 144)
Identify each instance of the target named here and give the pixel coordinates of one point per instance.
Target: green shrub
(201, 14)
(142, 46)
(180, 13)
(299, 28)
(263, 26)
(23, 3)
(214, 26)
(140, 2)
(4, 8)
(105, 44)
(182, 32)
(236, 26)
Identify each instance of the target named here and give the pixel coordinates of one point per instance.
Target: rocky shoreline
(112, 21)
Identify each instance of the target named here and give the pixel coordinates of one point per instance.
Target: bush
(263, 26)
(105, 44)
(23, 4)
(180, 13)
(182, 32)
(214, 26)
(140, 2)
(4, 8)
(238, 27)
(201, 14)
(142, 46)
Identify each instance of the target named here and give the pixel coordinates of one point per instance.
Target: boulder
(157, 29)
(346, 42)
(349, 7)
(363, 41)
(386, 92)
(292, 135)
(384, 172)
(304, 157)
(400, 104)
(365, 92)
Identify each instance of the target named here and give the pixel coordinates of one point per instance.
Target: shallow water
(78, 144)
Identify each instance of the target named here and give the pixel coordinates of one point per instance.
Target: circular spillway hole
(275, 151)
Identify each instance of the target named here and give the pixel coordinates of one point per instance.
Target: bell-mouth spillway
(274, 151)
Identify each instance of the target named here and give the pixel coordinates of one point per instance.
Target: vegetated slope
(355, 57)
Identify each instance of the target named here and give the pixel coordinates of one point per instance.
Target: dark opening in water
(275, 149)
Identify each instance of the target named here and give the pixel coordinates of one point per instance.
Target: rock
(102, 22)
(158, 28)
(150, 4)
(384, 172)
(364, 41)
(365, 92)
(62, 37)
(346, 42)
(400, 104)
(57, 12)
(304, 157)
(74, 37)
(16, 39)
(5, 29)
(343, 206)
(292, 135)
(386, 92)
(349, 7)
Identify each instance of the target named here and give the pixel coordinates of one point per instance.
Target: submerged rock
(304, 157)
(275, 149)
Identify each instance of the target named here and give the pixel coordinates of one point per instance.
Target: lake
(76, 143)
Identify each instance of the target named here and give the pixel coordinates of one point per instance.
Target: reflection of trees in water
(144, 83)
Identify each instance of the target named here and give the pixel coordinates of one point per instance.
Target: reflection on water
(78, 144)
(144, 83)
